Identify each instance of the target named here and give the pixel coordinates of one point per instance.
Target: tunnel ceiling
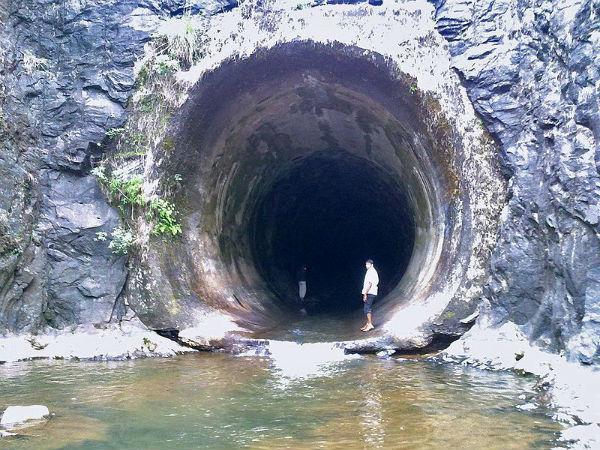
(318, 154)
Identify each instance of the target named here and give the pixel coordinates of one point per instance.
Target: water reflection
(371, 413)
(292, 399)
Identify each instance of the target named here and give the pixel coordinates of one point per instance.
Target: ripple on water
(222, 402)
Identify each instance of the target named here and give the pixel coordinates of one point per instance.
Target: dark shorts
(368, 305)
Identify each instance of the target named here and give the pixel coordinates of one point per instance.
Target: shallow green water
(301, 397)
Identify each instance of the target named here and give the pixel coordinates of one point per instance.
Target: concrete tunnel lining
(250, 123)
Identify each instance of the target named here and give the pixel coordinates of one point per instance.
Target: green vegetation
(179, 41)
(163, 212)
(135, 139)
(8, 242)
(177, 45)
(126, 193)
(168, 144)
(151, 346)
(132, 143)
(114, 132)
(101, 236)
(130, 154)
(165, 65)
(301, 6)
(146, 103)
(143, 76)
(122, 240)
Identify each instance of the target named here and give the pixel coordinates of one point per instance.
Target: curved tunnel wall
(304, 137)
(323, 120)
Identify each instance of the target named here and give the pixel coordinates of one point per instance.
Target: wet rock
(128, 340)
(531, 72)
(585, 436)
(67, 75)
(20, 416)
(63, 93)
(84, 276)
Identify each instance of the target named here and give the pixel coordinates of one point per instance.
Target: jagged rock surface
(66, 72)
(532, 70)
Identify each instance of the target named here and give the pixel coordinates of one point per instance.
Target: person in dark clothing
(301, 276)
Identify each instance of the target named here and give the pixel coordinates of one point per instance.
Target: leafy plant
(146, 105)
(137, 139)
(8, 242)
(165, 65)
(122, 240)
(163, 213)
(301, 6)
(130, 154)
(114, 132)
(143, 76)
(124, 192)
(151, 346)
(127, 194)
(101, 236)
(168, 144)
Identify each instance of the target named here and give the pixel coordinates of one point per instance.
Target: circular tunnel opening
(314, 154)
(331, 211)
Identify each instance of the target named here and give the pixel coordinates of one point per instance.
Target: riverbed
(297, 396)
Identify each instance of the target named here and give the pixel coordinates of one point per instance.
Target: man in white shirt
(369, 292)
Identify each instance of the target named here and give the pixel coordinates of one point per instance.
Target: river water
(300, 397)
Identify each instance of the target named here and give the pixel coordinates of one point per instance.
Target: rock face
(532, 71)
(66, 75)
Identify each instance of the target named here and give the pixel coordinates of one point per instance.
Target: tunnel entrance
(332, 211)
(323, 155)
(310, 156)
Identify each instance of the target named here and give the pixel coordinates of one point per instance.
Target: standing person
(302, 286)
(369, 292)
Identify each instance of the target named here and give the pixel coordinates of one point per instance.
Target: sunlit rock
(15, 417)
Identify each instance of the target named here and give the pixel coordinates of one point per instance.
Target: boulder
(19, 416)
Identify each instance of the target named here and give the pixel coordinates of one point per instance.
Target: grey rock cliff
(66, 73)
(532, 70)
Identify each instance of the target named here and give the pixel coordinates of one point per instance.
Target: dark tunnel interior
(316, 155)
(331, 211)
